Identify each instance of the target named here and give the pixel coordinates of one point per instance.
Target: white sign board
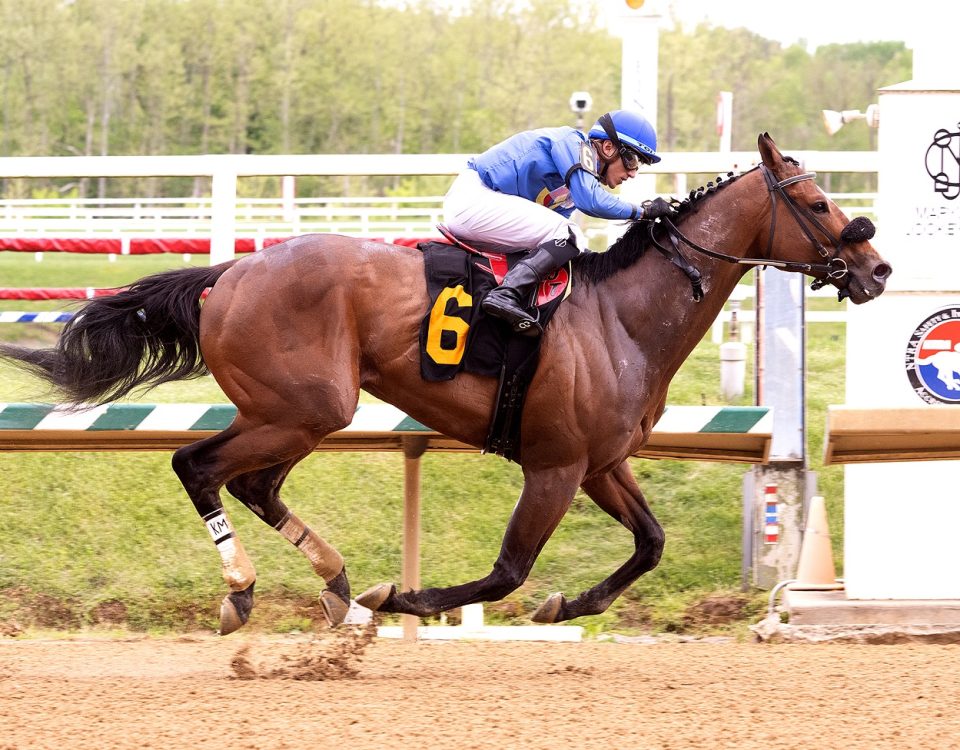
(901, 519)
(919, 200)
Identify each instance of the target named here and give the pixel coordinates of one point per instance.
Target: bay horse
(294, 332)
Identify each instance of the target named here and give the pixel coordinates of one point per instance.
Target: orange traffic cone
(815, 571)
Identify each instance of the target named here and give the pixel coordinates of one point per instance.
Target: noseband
(835, 268)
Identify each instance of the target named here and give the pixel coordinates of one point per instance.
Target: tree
(372, 76)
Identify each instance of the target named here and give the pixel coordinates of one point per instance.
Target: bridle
(835, 267)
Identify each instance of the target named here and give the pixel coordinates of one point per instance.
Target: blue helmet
(627, 128)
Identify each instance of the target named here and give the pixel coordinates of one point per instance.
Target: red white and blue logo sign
(933, 357)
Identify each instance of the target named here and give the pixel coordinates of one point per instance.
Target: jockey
(522, 192)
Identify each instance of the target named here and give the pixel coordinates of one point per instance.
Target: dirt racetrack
(182, 693)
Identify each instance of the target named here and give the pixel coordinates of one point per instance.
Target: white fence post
(223, 216)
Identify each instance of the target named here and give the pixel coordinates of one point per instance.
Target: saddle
(456, 335)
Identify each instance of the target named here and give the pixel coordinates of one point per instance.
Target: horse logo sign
(943, 163)
(933, 357)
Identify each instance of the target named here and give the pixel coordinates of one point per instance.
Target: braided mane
(628, 249)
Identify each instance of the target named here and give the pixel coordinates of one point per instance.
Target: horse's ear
(769, 152)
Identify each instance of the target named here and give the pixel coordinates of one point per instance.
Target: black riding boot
(515, 293)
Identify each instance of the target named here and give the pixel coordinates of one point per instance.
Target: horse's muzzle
(868, 291)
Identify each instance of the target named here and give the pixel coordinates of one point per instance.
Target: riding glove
(656, 208)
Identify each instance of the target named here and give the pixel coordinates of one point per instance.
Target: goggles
(632, 159)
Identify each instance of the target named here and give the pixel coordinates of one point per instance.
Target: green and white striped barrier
(728, 433)
(174, 418)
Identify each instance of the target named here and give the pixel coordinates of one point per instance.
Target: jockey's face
(615, 171)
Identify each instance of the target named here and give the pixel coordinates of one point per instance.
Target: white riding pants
(473, 211)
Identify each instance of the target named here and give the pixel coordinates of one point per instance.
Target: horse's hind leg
(205, 466)
(618, 494)
(260, 492)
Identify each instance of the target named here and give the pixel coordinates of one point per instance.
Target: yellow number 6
(440, 322)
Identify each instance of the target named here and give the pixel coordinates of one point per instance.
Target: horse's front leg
(545, 498)
(619, 495)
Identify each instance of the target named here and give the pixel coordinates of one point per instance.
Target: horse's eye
(820, 207)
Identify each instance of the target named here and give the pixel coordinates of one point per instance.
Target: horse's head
(807, 227)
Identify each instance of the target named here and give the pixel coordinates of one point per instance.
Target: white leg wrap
(326, 561)
(238, 571)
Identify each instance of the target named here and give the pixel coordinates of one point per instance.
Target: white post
(472, 616)
(640, 32)
(733, 368)
(289, 195)
(725, 120)
(223, 214)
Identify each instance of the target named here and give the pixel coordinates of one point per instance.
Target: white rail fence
(253, 217)
(193, 217)
(223, 215)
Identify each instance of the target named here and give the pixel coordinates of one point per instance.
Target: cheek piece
(860, 229)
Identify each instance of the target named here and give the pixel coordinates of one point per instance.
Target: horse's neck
(660, 296)
(657, 297)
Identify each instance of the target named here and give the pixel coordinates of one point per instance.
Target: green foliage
(775, 89)
(358, 76)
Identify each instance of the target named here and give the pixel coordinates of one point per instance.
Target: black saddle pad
(456, 335)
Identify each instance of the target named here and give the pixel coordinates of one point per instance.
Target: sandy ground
(299, 693)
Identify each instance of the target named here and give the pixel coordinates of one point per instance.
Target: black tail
(145, 335)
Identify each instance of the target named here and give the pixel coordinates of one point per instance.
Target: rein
(834, 268)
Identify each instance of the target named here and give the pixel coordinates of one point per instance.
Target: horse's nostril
(882, 271)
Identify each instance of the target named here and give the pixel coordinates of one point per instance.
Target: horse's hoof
(230, 619)
(549, 611)
(374, 597)
(334, 608)
(235, 610)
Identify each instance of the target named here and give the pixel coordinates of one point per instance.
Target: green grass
(80, 531)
